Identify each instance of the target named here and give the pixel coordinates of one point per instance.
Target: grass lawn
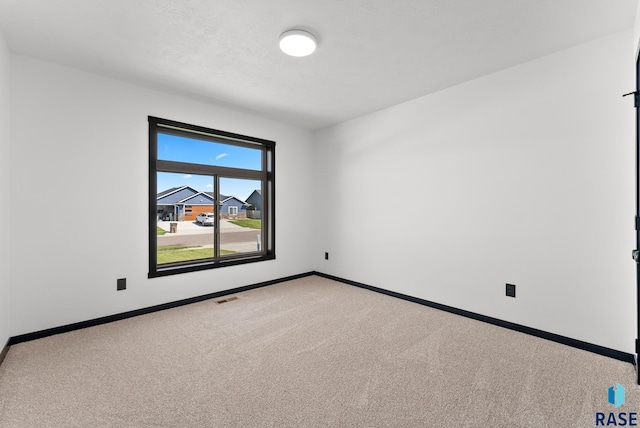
(177, 253)
(160, 230)
(175, 247)
(252, 223)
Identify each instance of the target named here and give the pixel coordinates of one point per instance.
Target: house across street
(185, 203)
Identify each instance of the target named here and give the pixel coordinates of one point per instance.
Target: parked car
(205, 219)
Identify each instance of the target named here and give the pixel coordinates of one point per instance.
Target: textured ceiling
(372, 53)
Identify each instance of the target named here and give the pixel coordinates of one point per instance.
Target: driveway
(191, 227)
(232, 237)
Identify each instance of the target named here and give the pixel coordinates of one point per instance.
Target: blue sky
(183, 149)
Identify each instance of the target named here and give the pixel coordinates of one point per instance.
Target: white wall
(636, 29)
(79, 196)
(524, 176)
(5, 247)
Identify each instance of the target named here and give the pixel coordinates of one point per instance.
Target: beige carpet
(305, 353)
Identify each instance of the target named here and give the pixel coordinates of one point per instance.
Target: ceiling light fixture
(298, 43)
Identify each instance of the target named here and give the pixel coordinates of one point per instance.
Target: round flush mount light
(298, 43)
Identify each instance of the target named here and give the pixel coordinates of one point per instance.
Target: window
(199, 181)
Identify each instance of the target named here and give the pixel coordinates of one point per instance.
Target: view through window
(211, 198)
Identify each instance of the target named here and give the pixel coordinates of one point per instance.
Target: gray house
(183, 203)
(255, 200)
(232, 207)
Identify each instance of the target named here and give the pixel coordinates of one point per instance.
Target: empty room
(292, 213)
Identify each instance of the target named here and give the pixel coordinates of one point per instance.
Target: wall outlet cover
(511, 290)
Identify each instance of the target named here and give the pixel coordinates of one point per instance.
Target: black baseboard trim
(585, 346)
(4, 351)
(117, 317)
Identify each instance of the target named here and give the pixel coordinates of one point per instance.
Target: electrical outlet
(511, 290)
(326, 256)
(122, 284)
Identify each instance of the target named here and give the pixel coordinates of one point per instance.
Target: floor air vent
(230, 299)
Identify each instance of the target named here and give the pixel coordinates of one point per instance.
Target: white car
(205, 219)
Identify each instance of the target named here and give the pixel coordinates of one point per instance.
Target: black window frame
(266, 176)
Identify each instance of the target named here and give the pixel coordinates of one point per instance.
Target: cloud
(187, 176)
(221, 155)
(209, 185)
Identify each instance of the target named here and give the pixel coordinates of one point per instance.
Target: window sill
(195, 267)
